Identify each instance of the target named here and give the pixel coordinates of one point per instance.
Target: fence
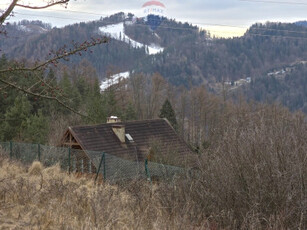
(104, 165)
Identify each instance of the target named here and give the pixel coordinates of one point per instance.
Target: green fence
(103, 165)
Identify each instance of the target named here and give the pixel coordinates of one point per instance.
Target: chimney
(113, 119)
(119, 131)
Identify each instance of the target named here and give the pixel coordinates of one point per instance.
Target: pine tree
(3, 61)
(111, 105)
(36, 130)
(15, 119)
(71, 95)
(96, 106)
(168, 113)
(129, 113)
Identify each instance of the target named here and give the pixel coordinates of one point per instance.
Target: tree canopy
(168, 112)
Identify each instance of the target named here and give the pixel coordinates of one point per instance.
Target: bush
(255, 174)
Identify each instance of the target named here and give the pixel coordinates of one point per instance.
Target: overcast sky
(209, 14)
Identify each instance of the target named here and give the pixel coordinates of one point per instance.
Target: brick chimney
(119, 131)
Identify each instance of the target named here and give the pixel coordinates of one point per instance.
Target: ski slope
(117, 31)
(113, 80)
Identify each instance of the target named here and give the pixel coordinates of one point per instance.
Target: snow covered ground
(113, 80)
(117, 31)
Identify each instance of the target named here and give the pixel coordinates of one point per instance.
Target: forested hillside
(287, 87)
(190, 57)
(195, 59)
(24, 44)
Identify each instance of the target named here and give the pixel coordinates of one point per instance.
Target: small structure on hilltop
(133, 141)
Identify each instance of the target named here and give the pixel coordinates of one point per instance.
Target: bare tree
(155, 96)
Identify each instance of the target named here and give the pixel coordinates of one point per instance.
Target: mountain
(181, 53)
(123, 52)
(286, 86)
(263, 47)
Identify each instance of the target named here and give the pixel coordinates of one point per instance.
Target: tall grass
(47, 198)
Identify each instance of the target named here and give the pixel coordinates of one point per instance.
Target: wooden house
(133, 141)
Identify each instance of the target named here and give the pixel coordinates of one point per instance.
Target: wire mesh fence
(157, 171)
(5, 146)
(104, 165)
(117, 168)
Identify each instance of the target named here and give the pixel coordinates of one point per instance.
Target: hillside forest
(191, 56)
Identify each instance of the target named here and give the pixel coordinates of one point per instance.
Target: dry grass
(46, 198)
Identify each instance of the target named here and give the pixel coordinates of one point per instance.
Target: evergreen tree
(82, 86)
(3, 61)
(71, 94)
(36, 130)
(111, 103)
(96, 106)
(168, 113)
(48, 106)
(129, 114)
(16, 119)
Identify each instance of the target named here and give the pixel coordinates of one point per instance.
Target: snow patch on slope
(113, 80)
(32, 29)
(24, 28)
(117, 31)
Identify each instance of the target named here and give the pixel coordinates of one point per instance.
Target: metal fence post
(102, 159)
(11, 149)
(82, 166)
(69, 153)
(147, 171)
(39, 152)
(104, 166)
(90, 166)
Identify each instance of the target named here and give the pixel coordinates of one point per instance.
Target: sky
(223, 18)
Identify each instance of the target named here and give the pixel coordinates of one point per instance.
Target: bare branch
(63, 53)
(8, 12)
(43, 7)
(14, 3)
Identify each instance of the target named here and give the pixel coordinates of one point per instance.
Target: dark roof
(145, 134)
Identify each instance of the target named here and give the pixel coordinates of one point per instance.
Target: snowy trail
(117, 31)
(113, 80)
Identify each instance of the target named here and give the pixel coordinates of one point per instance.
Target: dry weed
(253, 177)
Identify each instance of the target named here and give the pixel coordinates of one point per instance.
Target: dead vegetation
(47, 198)
(254, 176)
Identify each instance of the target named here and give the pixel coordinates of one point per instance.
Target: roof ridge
(122, 122)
